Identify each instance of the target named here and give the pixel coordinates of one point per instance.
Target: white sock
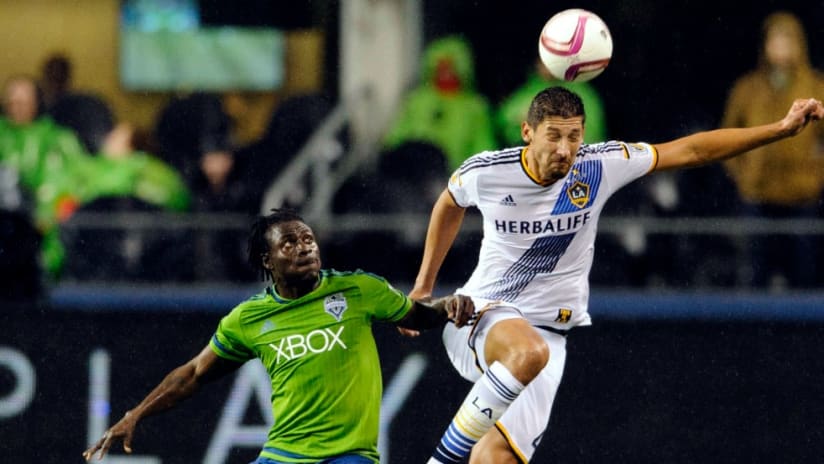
(484, 405)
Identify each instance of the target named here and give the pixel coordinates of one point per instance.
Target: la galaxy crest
(578, 191)
(335, 305)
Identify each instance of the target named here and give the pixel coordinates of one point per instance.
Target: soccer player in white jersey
(540, 206)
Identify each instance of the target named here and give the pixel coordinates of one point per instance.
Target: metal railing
(410, 231)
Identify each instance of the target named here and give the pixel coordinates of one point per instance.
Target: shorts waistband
(560, 332)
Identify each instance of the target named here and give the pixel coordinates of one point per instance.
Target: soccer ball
(575, 45)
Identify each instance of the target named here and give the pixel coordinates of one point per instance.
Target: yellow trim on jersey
(654, 158)
(529, 173)
(652, 148)
(508, 438)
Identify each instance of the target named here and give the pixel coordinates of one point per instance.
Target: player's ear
(264, 260)
(526, 132)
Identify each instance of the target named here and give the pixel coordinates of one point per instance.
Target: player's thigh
(524, 423)
(465, 345)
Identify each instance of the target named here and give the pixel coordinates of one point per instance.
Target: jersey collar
(271, 290)
(529, 173)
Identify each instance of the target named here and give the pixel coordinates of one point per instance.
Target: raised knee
(527, 359)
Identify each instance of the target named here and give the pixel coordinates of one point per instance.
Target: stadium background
(691, 375)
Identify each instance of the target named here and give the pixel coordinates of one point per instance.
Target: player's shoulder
(601, 149)
(255, 302)
(357, 276)
(612, 149)
(492, 159)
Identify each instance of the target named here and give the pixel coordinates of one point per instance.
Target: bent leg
(510, 353)
(516, 344)
(517, 434)
(493, 449)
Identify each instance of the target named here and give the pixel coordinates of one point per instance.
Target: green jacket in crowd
(59, 176)
(445, 109)
(512, 111)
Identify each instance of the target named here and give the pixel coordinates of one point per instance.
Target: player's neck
(531, 167)
(291, 290)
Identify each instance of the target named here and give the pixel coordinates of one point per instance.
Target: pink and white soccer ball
(575, 45)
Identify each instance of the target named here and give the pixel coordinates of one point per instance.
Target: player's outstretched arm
(706, 147)
(176, 386)
(444, 225)
(429, 314)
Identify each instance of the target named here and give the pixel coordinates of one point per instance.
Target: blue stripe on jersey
(283, 453)
(479, 161)
(586, 172)
(230, 351)
(541, 258)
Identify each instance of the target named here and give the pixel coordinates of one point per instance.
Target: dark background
(637, 389)
(672, 65)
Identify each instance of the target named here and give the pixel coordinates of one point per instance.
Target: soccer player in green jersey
(312, 330)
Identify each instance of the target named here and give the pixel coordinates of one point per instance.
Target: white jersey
(538, 242)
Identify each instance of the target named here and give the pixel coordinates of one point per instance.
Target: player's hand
(801, 113)
(123, 430)
(408, 332)
(418, 295)
(459, 309)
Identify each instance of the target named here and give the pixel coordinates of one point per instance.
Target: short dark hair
(258, 245)
(554, 101)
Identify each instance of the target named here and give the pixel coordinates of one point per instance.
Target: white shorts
(525, 421)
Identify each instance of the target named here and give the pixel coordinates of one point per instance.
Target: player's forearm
(443, 228)
(726, 143)
(716, 145)
(176, 386)
(425, 315)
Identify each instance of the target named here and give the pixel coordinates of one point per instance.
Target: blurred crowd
(63, 152)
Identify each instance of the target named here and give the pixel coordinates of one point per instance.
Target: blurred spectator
(121, 168)
(47, 158)
(221, 188)
(194, 134)
(191, 127)
(88, 115)
(785, 179)
(60, 175)
(123, 178)
(445, 109)
(512, 110)
(55, 79)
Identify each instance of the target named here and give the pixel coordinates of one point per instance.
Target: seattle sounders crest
(335, 305)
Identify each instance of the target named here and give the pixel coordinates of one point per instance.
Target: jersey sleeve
(636, 160)
(228, 340)
(462, 185)
(388, 303)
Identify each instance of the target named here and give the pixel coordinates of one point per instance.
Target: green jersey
(321, 355)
